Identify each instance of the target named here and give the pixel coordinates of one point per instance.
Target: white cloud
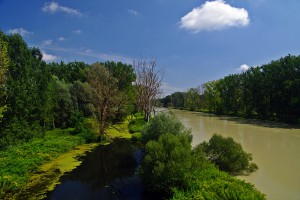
(61, 39)
(78, 31)
(133, 12)
(48, 57)
(243, 67)
(47, 42)
(168, 89)
(20, 31)
(54, 7)
(93, 54)
(214, 15)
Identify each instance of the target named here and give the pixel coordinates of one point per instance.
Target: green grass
(137, 124)
(130, 127)
(17, 163)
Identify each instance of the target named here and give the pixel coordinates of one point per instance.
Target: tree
(212, 98)
(192, 99)
(105, 93)
(228, 155)
(148, 82)
(167, 163)
(125, 75)
(26, 83)
(4, 62)
(161, 124)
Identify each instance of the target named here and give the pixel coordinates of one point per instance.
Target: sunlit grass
(17, 163)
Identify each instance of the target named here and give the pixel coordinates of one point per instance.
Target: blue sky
(194, 41)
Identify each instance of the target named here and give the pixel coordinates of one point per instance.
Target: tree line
(270, 91)
(36, 96)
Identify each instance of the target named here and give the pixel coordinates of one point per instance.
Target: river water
(275, 149)
(108, 172)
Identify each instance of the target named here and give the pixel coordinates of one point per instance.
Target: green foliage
(136, 137)
(136, 125)
(192, 99)
(167, 163)
(17, 162)
(270, 91)
(26, 82)
(228, 155)
(172, 167)
(162, 124)
(210, 183)
(85, 127)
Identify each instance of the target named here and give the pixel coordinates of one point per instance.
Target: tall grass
(18, 162)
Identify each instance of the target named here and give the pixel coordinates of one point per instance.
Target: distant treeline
(271, 91)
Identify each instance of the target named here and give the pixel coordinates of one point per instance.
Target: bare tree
(148, 83)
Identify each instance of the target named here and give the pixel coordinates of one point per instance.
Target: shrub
(167, 163)
(211, 183)
(163, 124)
(136, 125)
(136, 137)
(228, 155)
(85, 127)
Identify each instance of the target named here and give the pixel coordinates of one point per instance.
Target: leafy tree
(162, 124)
(105, 94)
(212, 97)
(192, 99)
(70, 72)
(81, 95)
(228, 155)
(4, 62)
(26, 82)
(125, 75)
(167, 163)
(231, 94)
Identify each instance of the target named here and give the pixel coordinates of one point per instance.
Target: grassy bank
(17, 163)
(130, 128)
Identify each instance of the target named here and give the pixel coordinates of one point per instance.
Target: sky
(193, 41)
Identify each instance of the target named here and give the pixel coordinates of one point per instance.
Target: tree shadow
(256, 122)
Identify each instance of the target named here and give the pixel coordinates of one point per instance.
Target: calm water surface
(108, 172)
(275, 149)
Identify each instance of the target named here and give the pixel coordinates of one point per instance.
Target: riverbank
(34, 168)
(246, 120)
(17, 163)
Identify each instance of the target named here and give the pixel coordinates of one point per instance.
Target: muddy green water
(275, 149)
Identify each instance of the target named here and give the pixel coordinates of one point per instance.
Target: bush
(85, 127)
(211, 183)
(167, 163)
(136, 137)
(163, 124)
(19, 131)
(228, 155)
(136, 125)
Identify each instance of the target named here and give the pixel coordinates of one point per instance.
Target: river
(275, 149)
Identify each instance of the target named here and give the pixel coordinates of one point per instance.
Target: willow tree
(148, 82)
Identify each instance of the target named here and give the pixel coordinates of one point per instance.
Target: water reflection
(109, 172)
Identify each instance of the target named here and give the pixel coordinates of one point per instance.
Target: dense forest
(270, 91)
(36, 96)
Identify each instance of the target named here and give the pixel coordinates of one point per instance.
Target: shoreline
(47, 176)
